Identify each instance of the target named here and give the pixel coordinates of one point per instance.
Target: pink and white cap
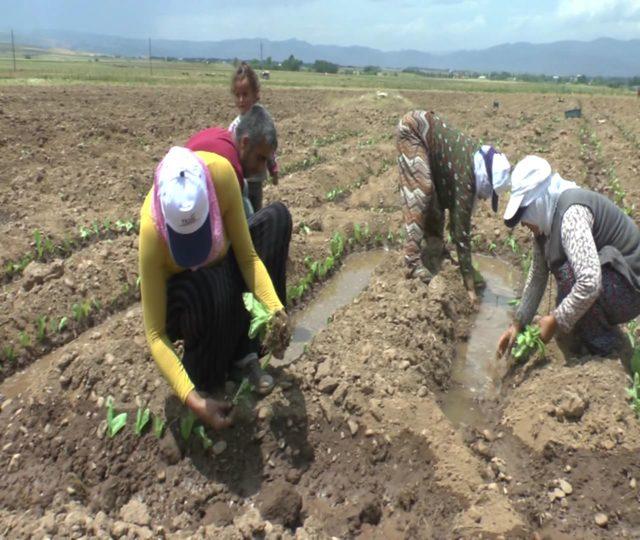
(186, 209)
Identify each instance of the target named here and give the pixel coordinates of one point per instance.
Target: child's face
(244, 94)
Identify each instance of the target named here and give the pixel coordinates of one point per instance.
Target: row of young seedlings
(261, 319)
(50, 332)
(45, 248)
(339, 193)
(339, 246)
(188, 425)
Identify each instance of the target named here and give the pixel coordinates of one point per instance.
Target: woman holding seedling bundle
(591, 247)
(192, 284)
(441, 168)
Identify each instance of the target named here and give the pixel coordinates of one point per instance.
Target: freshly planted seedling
(158, 426)
(41, 328)
(202, 435)
(9, 354)
(24, 339)
(528, 342)
(142, 419)
(492, 247)
(186, 425)
(634, 394)
(85, 233)
(337, 244)
(513, 244)
(515, 302)
(632, 328)
(115, 422)
(37, 236)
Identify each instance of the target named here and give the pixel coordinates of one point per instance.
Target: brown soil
(352, 442)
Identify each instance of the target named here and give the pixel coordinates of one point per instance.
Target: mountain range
(605, 57)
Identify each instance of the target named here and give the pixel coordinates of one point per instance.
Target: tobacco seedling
(204, 439)
(85, 233)
(260, 319)
(632, 328)
(513, 244)
(9, 353)
(337, 245)
(63, 324)
(158, 426)
(142, 419)
(634, 394)
(41, 328)
(514, 302)
(528, 342)
(37, 236)
(114, 422)
(25, 340)
(186, 425)
(492, 247)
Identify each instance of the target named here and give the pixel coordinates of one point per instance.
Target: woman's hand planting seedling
(114, 422)
(142, 419)
(528, 342)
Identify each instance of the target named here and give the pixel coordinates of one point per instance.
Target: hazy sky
(430, 25)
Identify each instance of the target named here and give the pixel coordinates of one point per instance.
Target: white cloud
(604, 10)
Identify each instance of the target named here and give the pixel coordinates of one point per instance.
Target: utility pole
(13, 48)
(261, 62)
(150, 66)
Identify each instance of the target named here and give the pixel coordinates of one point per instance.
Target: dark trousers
(255, 195)
(205, 307)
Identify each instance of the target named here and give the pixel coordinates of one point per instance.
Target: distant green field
(46, 67)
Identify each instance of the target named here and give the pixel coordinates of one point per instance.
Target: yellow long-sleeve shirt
(157, 266)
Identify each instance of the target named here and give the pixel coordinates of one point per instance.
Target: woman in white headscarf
(591, 247)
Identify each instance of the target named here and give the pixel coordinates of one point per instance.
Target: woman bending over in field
(441, 168)
(591, 247)
(192, 284)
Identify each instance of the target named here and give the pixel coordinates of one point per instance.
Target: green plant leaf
(186, 425)
(204, 439)
(158, 426)
(142, 419)
(117, 424)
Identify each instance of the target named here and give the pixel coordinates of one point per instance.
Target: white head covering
(501, 174)
(535, 188)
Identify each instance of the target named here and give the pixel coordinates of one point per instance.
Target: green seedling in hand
(260, 316)
(186, 425)
(260, 319)
(114, 422)
(202, 435)
(158, 426)
(142, 419)
(528, 342)
(515, 302)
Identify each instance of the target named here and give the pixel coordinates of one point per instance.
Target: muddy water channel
(353, 277)
(476, 373)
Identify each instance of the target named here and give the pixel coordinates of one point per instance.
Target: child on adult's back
(245, 87)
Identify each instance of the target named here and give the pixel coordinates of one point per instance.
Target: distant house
(482, 77)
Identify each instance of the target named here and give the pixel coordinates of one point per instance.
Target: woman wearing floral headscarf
(591, 247)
